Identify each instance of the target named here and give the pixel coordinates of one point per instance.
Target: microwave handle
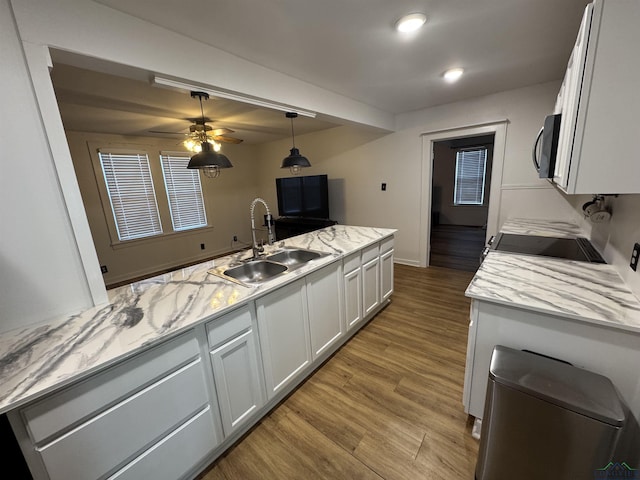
(535, 148)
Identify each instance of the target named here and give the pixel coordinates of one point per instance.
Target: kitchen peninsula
(176, 368)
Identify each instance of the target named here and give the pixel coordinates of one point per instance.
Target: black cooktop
(568, 248)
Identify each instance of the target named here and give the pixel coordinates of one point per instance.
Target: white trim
(185, 87)
(527, 186)
(38, 61)
(498, 128)
(404, 261)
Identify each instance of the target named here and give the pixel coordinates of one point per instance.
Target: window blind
(131, 194)
(184, 192)
(470, 176)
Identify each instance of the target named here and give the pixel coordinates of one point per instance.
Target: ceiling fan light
(411, 22)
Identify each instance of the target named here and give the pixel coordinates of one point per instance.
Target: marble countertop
(578, 290)
(38, 359)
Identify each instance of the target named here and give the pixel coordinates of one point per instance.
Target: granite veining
(579, 290)
(38, 359)
(543, 228)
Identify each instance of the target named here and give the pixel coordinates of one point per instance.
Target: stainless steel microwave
(544, 152)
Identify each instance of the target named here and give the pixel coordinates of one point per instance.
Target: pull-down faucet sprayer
(258, 249)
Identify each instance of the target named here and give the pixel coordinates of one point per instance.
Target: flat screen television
(306, 196)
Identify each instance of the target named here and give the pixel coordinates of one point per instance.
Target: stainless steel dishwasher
(546, 419)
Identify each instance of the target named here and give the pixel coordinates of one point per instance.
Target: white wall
(42, 275)
(617, 237)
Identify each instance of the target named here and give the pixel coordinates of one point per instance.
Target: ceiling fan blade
(220, 131)
(225, 139)
(167, 133)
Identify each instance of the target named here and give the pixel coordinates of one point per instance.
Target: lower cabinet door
(100, 445)
(371, 285)
(386, 275)
(353, 297)
(324, 294)
(284, 335)
(177, 454)
(237, 377)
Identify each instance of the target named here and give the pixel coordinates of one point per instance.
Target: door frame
(499, 129)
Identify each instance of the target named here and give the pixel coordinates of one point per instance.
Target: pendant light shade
(294, 162)
(208, 160)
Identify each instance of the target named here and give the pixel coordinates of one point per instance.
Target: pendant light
(294, 162)
(207, 160)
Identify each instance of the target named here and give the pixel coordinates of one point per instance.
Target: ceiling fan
(200, 132)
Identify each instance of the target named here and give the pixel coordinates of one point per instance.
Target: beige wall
(227, 200)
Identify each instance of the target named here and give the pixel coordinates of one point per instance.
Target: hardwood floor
(387, 405)
(456, 246)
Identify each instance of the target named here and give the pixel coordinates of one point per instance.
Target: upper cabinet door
(570, 99)
(600, 103)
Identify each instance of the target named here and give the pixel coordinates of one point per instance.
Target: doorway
(460, 201)
(493, 185)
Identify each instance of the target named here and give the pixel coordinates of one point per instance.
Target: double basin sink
(257, 271)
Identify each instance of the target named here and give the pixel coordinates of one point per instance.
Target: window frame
(456, 177)
(153, 153)
(194, 174)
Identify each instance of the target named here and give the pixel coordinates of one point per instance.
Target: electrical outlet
(384, 187)
(634, 257)
(235, 238)
(103, 268)
(202, 246)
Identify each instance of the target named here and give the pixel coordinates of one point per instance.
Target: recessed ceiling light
(453, 74)
(411, 22)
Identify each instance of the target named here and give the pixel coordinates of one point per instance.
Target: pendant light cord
(293, 137)
(201, 110)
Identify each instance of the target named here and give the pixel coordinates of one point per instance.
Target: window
(471, 167)
(131, 194)
(184, 192)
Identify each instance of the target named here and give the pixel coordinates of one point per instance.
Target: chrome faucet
(258, 249)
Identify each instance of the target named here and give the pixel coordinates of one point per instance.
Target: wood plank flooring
(456, 246)
(387, 405)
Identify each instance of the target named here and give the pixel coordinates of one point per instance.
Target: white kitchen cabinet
(611, 352)
(283, 324)
(237, 369)
(93, 428)
(326, 314)
(370, 279)
(600, 104)
(352, 267)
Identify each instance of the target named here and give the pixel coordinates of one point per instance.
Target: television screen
(303, 196)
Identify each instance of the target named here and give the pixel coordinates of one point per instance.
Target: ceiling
(348, 47)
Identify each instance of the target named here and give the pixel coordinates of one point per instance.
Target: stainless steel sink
(294, 257)
(256, 271)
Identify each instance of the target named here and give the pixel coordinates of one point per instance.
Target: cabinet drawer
(103, 443)
(369, 253)
(386, 245)
(177, 453)
(228, 326)
(351, 262)
(75, 404)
